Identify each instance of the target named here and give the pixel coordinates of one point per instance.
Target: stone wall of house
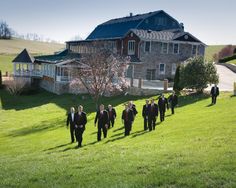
(153, 59)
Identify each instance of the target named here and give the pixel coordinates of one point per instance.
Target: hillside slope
(193, 148)
(15, 46)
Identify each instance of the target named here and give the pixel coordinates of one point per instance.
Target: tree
(196, 74)
(177, 87)
(5, 31)
(102, 73)
(0, 78)
(224, 52)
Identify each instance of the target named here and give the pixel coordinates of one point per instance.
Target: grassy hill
(9, 49)
(211, 50)
(193, 148)
(15, 46)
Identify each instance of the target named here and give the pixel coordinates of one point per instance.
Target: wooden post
(140, 83)
(165, 83)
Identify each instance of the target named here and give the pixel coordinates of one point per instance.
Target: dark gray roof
(24, 57)
(117, 28)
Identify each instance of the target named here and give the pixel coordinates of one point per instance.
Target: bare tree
(102, 73)
(5, 31)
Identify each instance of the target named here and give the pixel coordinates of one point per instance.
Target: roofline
(192, 37)
(91, 40)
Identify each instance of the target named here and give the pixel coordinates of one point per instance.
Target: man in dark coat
(145, 114)
(80, 122)
(112, 115)
(163, 105)
(152, 114)
(103, 121)
(71, 121)
(214, 93)
(127, 119)
(173, 100)
(132, 107)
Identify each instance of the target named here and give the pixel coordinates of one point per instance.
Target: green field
(211, 50)
(10, 48)
(232, 62)
(196, 147)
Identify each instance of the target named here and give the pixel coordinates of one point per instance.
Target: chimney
(130, 14)
(182, 26)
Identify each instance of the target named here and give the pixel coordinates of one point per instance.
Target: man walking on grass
(71, 121)
(163, 105)
(214, 94)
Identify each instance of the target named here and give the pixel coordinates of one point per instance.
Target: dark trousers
(72, 133)
(145, 123)
(100, 130)
(111, 123)
(162, 115)
(79, 136)
(172, 109)
(213, 99)
(151, 123)
(127, 127)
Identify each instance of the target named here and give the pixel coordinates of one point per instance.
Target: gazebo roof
(24, 57)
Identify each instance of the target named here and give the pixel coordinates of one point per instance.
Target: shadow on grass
(192, 98)
(56, 147)
(209, 105)
(65, 101)
(39, 128)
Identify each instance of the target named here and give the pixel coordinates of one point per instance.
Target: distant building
(155, 42)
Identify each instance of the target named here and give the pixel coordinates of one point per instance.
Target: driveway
(226, 78)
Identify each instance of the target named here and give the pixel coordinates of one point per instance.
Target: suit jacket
(145, 110)
(214, 92)
(128, 117)
(69, 120)
(163, 104)
(80, 120)
(135, 112)
(173, 100)
(102, 119)
(152, 110)
(112, 114)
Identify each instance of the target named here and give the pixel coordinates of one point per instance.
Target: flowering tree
(100, 73)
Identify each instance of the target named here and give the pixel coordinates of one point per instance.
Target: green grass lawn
(6, 63)
(196, 147)
(232, 62)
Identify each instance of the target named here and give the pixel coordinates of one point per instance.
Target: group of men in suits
(150, 110)
(105, 119)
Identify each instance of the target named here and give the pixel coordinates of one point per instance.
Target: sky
(212, 21)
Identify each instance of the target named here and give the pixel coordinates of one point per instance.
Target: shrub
(17, 86)
(196, 75)
(227, 51)
(226, 59)
(177, 87)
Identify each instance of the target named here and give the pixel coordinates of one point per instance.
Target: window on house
(131, 47)
(151, 74)
(162, 68)
(164, 48)
(160, 21)
(175, 48)
(194, 49)
(173, 69)
(147, 46)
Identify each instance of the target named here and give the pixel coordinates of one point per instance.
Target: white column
(14, 68)
(31, 69)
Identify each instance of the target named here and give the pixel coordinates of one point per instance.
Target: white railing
(36, 73)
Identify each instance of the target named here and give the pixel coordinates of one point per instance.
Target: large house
(156, 43)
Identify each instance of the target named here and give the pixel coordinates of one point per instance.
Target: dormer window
(131, 47)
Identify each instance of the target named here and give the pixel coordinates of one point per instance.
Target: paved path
(226, 78)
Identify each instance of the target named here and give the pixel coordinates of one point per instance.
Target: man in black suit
(112, 115)
(173, 100)
(162, 104)
(145, 114)
(127, 119)
(80, 122)
(103, 121)
(214, 93)
(133, 109)
(152, 114)
(71, 121)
